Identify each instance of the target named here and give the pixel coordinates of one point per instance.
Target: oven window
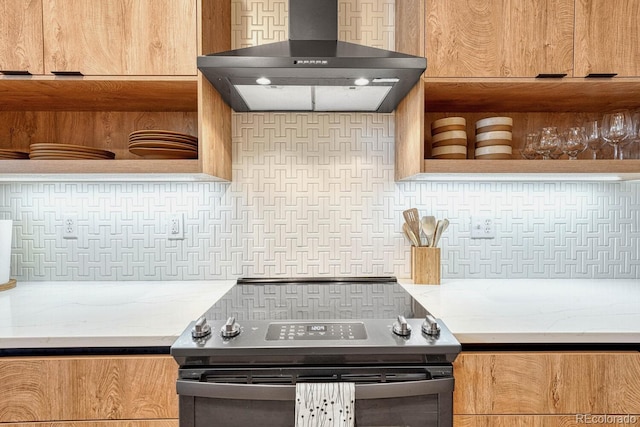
(415, 411)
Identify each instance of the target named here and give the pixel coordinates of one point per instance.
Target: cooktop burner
(331, 298)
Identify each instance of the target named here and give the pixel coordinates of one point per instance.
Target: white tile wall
(313, 194)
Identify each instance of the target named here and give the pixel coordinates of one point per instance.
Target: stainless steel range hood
(312, 71)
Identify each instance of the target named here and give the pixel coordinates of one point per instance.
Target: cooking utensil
(409, 233)
(428, 228)
(412, 218)
(441, 226)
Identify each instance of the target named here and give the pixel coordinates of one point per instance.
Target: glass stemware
(616, 127)
(633, 150)
(548, 142)
(529, 150)
(574, 142)
(594, 137)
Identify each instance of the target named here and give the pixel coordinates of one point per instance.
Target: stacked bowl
(494, 138)
(449, 138)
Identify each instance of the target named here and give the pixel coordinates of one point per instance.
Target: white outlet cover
(483, 227)
(175, 227)
(70, 226)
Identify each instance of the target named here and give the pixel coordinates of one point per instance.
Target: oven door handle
(288, 392)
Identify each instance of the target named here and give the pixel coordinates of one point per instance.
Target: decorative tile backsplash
(313, 194)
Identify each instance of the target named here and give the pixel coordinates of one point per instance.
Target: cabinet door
(607, 37)
(499, 38)
(120, 37)
(73, 389)
(537, 383)
(21, 36)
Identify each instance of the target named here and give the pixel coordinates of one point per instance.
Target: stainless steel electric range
(240, 362)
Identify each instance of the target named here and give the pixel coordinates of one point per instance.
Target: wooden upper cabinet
(499, 38)
(120, 37)
(607, 37)
(21, 36)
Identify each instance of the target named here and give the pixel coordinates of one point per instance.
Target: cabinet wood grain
(140, 64)
(107, 130)
(482, 59)
(214, 116)
(21, 36)
(528, 421)
(547, 383)
(116, 423)
(96, 388)
(119, 37)
(607, 37)
(499, 38)
(409, 126)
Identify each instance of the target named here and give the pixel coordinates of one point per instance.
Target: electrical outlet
(175, 227)
(70, 226)
(483, 227)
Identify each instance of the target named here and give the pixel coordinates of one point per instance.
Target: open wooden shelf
(531, 94)
(91, 93)
(514, 170)
(124, 170)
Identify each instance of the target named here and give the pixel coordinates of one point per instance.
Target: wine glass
(548, 142)
(574, 142)
(529, 150)
(616, 127)
(594, 137)
(633, 152)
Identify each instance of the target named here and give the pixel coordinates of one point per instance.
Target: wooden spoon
(441, 226)
(428, 228)
(409, 233)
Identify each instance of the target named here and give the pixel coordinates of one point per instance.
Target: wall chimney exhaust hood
(312, 71)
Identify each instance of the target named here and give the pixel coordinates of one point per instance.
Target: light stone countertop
(103, 314)
(562, 311)
(479, 311)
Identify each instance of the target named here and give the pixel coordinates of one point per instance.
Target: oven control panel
(316, 331)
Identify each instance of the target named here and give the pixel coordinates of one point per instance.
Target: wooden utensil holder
(425, 265)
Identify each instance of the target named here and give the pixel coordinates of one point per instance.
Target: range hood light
(311, 65)
(387, 80)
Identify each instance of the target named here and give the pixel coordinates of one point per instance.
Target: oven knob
(201, 329)
(401, 327)
(230, 329)
(430, 326)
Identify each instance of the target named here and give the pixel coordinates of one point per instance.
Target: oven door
(419, 403)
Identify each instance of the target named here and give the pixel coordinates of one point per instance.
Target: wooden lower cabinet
(533, 421)
(547, 389)
(115, 423)
(102, 391)
(493, 389)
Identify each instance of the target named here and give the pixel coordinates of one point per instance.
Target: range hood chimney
(312, 71)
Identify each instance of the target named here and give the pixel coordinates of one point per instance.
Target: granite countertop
(153, 314)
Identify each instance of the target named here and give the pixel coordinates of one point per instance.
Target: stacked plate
(12, 155)
(163, 144)
(493, 138)
(449, 138)
(57, 151)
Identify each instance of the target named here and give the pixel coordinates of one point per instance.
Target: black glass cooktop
(331, 298)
